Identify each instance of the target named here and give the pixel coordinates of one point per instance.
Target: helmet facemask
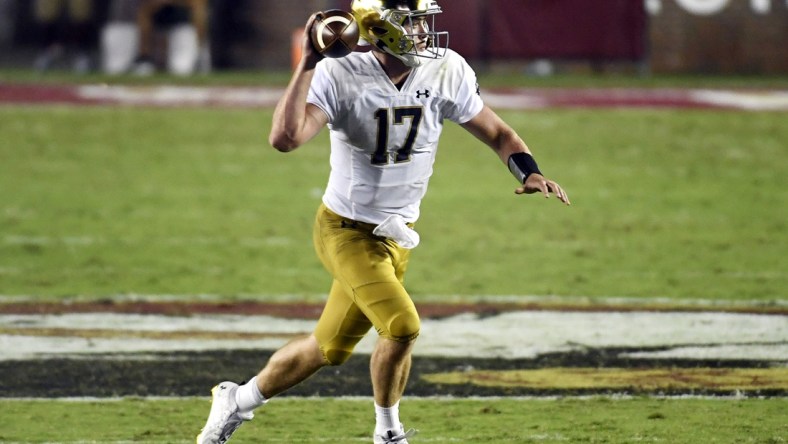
(405, 34)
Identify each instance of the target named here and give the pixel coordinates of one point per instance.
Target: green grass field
(103, 201)
(683, 204)
(593, 420)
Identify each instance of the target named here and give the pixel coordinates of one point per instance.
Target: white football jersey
(384, 139)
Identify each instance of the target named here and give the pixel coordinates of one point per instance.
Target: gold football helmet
(402, 28)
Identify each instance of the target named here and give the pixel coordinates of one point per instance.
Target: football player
(385, 110)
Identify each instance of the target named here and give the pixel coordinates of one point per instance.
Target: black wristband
(523, 165)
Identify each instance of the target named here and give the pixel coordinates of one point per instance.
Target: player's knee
(336, 356)
(404, 327)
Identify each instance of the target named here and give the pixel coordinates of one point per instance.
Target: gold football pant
(367, 290)
(47, 11)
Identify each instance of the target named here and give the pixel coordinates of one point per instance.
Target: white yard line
(521, 98)
(751, 101)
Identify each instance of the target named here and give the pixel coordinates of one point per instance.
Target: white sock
(248, 396)
(387, 418)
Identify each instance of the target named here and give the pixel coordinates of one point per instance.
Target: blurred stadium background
(710, 37)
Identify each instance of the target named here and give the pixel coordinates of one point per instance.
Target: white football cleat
(395, 437)
(224, 418)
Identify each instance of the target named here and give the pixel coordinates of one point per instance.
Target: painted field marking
(507, 335)
(640, 379)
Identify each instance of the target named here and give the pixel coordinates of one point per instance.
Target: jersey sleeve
(467, 103)
(322, 92)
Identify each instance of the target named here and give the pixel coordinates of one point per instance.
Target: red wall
(558, 29)
(670, 38)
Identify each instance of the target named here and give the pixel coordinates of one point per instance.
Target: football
(334, 33)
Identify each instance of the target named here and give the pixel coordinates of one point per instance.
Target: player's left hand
(536, 183)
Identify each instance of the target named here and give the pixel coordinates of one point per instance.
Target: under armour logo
(426, 93)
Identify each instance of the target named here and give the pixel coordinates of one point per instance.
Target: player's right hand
(309, 55)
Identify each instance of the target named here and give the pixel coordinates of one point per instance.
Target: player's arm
(295, 121)
(488, 127)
